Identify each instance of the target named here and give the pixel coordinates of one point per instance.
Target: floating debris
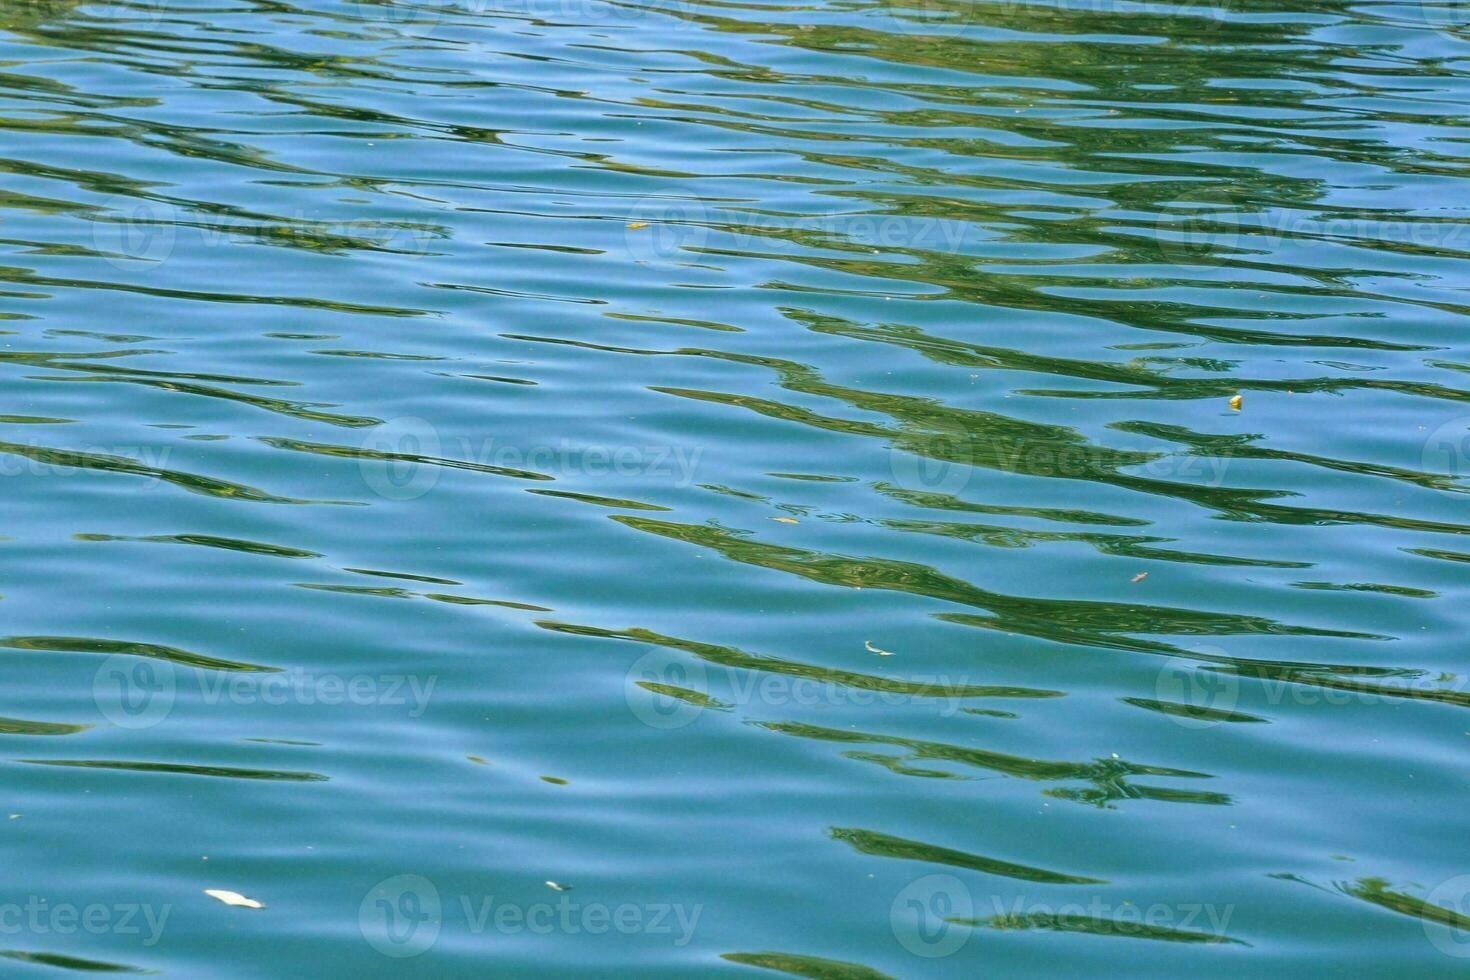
(554, 886)
(1139, 577)
(1235, 403)
(635, 225)
(785, 520)
(234, 899)
(878, 650)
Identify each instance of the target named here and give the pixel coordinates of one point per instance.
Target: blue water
(849, 489)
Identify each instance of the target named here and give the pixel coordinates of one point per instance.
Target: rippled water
(705, 487)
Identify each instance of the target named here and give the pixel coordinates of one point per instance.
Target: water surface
(721, 488)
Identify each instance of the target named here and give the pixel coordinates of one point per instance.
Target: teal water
(590, 488)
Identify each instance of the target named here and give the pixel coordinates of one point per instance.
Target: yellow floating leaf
(233, 898)
(1235, 402)
(784, 520)
(635, 225)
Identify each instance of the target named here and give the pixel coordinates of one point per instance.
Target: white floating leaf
(233, 898)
